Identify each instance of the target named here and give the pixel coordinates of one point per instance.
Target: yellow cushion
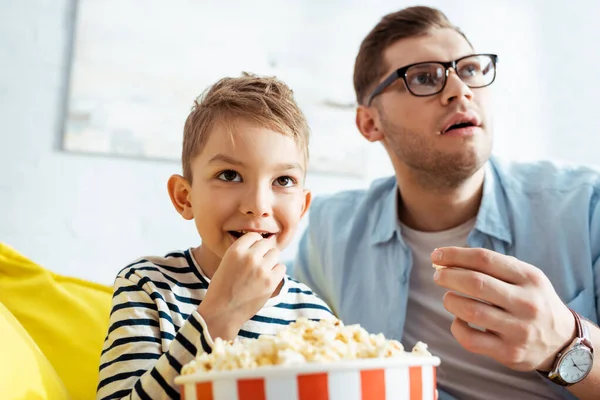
(66, 317)
(24, 371)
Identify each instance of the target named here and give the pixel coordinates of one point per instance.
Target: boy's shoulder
(178, 262)
(295, 286)
(299, 293)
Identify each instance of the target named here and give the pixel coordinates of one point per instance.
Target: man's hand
(526, 322)
(247, 276)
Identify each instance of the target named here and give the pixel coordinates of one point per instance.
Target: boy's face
(247, 180)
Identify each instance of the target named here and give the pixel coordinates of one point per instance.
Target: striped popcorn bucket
(407, 378)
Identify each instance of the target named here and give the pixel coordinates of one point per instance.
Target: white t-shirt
(427, 320)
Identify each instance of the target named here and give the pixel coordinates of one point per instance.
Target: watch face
(575, 365)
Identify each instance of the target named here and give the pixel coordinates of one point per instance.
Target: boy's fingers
(279, 270)
(246, 241)
(271, 258)
(262, 247)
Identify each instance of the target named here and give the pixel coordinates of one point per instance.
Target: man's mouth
(460, 125)
(239, 234)
(462, 120)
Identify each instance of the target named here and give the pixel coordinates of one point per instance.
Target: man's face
(413, 129)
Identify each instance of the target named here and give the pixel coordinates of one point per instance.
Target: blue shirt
(353, 255)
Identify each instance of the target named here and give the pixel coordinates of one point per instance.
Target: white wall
(89, 215)
(571, 102)
(76, 214)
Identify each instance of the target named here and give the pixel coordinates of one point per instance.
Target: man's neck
(430, 210)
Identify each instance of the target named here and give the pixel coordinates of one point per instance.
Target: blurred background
(94, 94)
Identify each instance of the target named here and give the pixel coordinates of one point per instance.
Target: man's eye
(285, 181)
(470, 70)
(423, 79)
(229, 176)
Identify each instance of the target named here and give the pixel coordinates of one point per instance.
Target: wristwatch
(575, 361)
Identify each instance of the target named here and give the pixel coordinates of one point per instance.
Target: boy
(245, 152)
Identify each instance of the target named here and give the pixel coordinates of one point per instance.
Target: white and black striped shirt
(155, 327)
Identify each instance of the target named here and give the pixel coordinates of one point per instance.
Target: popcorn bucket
(401, 378)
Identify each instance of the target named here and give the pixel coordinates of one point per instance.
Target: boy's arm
(133, 364)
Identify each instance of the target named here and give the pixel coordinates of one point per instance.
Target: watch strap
(582, 333)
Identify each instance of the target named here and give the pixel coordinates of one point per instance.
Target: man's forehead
(437, 45)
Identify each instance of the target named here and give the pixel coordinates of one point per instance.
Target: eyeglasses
(429, 78)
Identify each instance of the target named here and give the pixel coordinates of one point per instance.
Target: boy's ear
(367, 124)
(179, 192)
(307, 201)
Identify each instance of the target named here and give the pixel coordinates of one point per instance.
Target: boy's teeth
(263, 234)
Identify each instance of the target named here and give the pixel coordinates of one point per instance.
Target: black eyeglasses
(429, 78)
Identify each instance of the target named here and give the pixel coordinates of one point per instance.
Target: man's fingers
(478, 285)
(491, 345)
(505, 268)
(480, 314)
(475, 341)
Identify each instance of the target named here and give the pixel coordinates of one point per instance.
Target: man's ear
(180, 192)
(367, 124)
(307, 201)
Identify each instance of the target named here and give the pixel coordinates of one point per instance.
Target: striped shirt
(155, 327)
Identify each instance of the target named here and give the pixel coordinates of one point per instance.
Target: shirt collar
(385, 224)
(492, 218)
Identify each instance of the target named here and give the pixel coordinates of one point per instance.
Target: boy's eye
(229, 176)
(285, 181)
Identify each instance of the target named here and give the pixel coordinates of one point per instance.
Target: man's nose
(455, 89)
(257, 202)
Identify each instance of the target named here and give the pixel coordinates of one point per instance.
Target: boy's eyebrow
(229, 160)
(288, 166)
(225, 159)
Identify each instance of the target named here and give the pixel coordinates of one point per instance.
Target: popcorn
(303, 341)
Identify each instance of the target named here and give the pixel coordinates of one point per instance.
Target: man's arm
(589, 388)
(526, 322)
(591, 384)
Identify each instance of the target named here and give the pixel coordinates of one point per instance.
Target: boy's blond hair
(266, 101)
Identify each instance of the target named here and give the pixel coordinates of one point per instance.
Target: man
(522, 238)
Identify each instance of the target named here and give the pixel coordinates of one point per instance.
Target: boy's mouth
(239, 234)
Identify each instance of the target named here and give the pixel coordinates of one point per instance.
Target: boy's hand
(248, 275)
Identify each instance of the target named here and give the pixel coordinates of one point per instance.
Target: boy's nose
(256, 203)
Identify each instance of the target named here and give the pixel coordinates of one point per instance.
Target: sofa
(52, 329)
